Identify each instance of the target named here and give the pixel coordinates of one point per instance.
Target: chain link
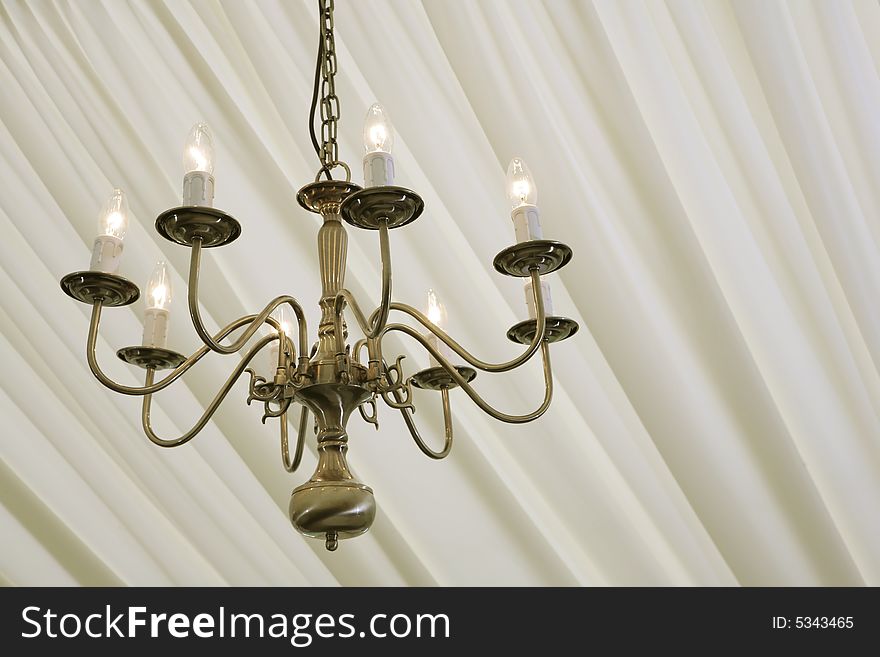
(329, 103)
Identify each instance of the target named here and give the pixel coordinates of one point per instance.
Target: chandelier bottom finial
(332, 503)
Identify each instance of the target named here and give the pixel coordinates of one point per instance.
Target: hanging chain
(329, 100)
(328, 152)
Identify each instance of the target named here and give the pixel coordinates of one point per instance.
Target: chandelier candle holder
(328, 376)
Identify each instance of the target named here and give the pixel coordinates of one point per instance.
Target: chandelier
(329, 378)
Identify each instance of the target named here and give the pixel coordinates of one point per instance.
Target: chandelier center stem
(332, 255)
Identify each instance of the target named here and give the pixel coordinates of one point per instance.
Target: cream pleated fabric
(715, 167)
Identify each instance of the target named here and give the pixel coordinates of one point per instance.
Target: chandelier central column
(332, 253)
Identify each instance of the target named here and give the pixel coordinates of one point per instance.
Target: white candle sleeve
(530, 300)
(106, 253)
(378, 169)
(198, 189)
(444, 349)
(527, 223)
(271, 361)
(155, 328)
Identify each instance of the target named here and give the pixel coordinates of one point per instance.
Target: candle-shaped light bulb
(436, 310)
(159, 288)
(521, 189)
(198, 153)
(112, 225)
(523, 194)
(436, 313)
(198, 167)
(158, 301)
(378, 140)
(114, 215)
(378, 133)
(281, 315)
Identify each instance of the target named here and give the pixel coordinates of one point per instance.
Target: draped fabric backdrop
(714, 165)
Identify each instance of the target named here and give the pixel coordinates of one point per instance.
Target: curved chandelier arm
(209, 411)
(180, 370)
(356, 350)
(414, 431)
(289, 465)
(468, 357)
(258, 320)
(478, 400)
(373, 326)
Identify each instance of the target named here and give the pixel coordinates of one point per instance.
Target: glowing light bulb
(114, 216)
(198, 163)
(158, 299)
(521, 189)
(282, 315)
(436, 313)
(198, 153)
(159, 288)
(378, 133)
(436, 310)
(112, 224)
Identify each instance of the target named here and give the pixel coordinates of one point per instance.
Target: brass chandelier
(328, 378)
